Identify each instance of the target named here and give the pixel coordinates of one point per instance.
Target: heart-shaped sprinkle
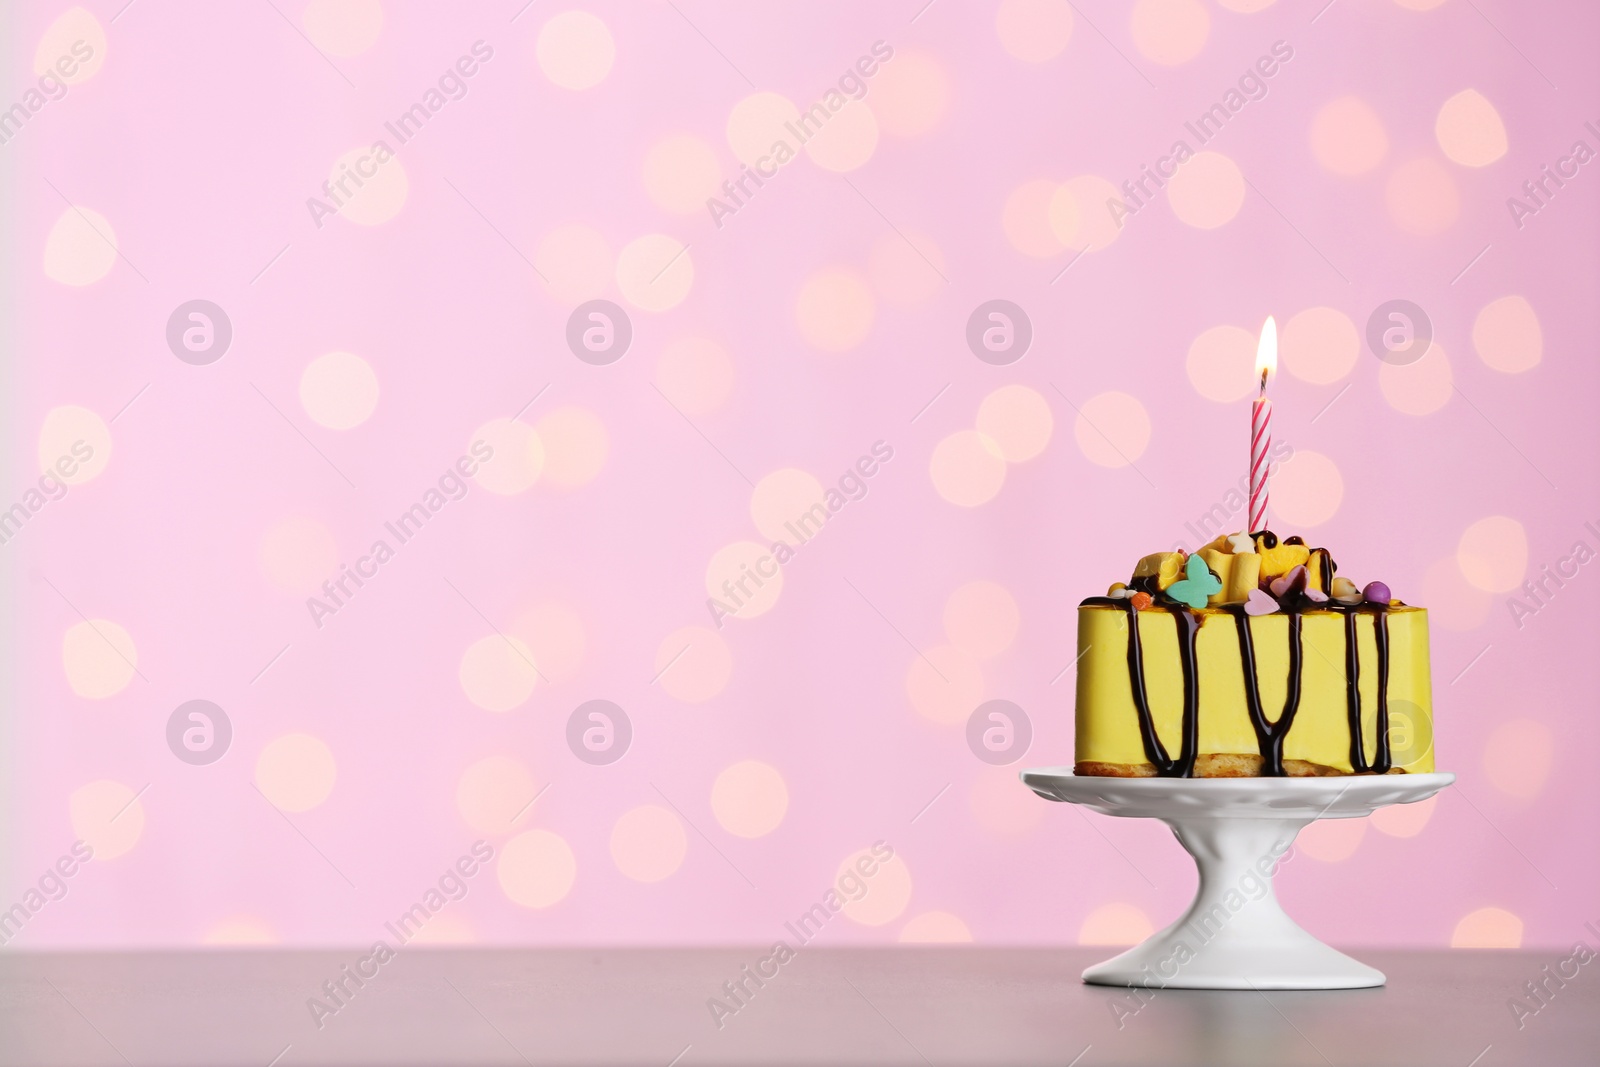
(1293, 582)
(1316, 595)
(1197, 585)
(1259, 603)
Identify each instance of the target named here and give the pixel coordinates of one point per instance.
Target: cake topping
(1260, 603)
(1198, 585)
(1256, 571)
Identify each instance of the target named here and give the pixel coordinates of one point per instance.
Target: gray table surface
(924, 1005)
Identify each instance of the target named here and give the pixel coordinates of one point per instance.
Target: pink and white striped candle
(1261, 427)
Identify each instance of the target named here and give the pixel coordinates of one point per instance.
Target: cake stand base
(1234, 935)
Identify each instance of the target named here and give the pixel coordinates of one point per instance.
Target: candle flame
(1267, 351)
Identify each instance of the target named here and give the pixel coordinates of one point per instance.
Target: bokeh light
(498, 672)
(81, 247)
(1018, 420)
(834, 309)
(696, 374)
(517, 457)
(74, 444)
(1207, 191)
(107, 816)
(1487, 928)
(1507, 336)
(967, 468)
(944, 684)
(575, 50)
(99, 658)
(1421, 387)
(981, 617)
(298, 553)
(296, 772)
(1422, 197)
(887, 892)
(783, 506)
(655, 272)
(911, 95)
(1347, 137)
(749, 798)
(1034, 31)
(493, 793)
(574, 444)
(343, 27)
(536, 868)
(847, 140)
(1470, 130)
(1221, 364)
(1320, 345)
(648, 843)
(681, 173)
(1116, 924)
(375, 188)
(1493, 553)
(745, 578)
(1331, 840)
(1517, 757)
(693, 664)
(934, 928)
(339, 390)
(1112, 429)
(1307, 490)
(1170, 32)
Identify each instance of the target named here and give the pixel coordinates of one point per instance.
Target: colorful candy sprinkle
(1197, 586)
(1259, 603)
(1288, 584)
(1376, 593)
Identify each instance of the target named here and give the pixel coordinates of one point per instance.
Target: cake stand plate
(1234, 935)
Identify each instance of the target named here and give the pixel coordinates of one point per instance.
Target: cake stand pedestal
(1234, 935)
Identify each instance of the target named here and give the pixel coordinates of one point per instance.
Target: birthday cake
(1251, 657)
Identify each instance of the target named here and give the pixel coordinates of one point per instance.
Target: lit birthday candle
(1261, 427)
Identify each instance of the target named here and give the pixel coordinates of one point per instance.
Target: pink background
(207, 127)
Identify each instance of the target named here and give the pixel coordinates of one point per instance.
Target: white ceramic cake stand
(1234, 935)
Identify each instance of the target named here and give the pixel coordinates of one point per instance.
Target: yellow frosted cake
(1251, 658)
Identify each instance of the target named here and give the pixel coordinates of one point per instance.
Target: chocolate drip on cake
(1187, 625)
(1269, 735)
(1352, 669)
